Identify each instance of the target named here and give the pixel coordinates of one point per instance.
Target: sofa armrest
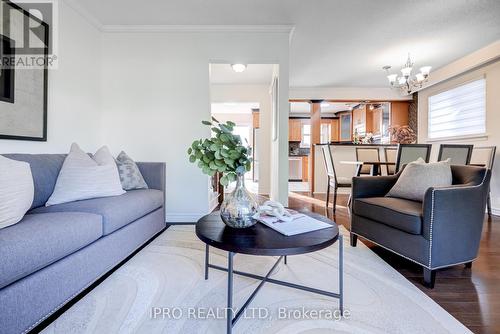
(372, 186)
(154, 174)
(453, 221)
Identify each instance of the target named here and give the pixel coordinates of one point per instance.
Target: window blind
(458, 112)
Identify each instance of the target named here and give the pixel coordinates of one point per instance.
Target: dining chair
(391, 154)
(332, 179)
(484, 156)
(458, 154)
(411, 152)
(366, 155)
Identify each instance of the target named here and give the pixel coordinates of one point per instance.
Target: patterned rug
(162, 290)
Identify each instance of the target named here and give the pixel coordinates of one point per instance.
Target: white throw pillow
(16, 190)
(82, 177)
(418, 176)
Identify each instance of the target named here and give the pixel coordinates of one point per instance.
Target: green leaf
(190, 150)
(224, 153)
(206, 123)
(206, 159)
(214, 147)
(224, 181)
(192, 159)
(221, 169)
(231, 124)
(199, 155)
(215, 120)
(231, 177)
(195, 144)
(219, 162)
(217, 155)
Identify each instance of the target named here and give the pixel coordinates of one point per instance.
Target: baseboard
(180, 218)
(495, 211)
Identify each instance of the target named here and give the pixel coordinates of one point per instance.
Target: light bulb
(392, 78)
(406, 71)
(238, 68)
(401, 80)
(425, 70)
(420, 77)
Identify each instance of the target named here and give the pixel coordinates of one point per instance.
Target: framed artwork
(23, 74)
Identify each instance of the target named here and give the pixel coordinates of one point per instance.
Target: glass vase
(239, 207)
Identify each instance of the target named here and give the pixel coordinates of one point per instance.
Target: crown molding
(85, 14)
(287, 29)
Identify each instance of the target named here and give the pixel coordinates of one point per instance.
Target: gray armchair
(442, 231)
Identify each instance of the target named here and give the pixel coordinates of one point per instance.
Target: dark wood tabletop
(262, 240)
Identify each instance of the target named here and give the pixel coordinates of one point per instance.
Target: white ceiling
(326, 107)
(234, 108)
(335, 42)
(254, 74)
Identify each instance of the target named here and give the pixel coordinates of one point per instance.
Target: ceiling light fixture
(238, 68)
(407, 82)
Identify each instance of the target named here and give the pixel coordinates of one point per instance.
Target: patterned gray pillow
(130, 175)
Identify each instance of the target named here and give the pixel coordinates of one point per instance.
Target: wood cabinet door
(334, 130)
(399, 113)
(295, 130)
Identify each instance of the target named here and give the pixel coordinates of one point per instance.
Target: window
(326, 129)
(306, 136)
(458, 112)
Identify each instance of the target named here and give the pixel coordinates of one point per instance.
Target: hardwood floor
(470, 295)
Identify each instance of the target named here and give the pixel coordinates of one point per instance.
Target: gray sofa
(56, 252)
(442, 231)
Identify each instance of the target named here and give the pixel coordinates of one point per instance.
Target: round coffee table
(264, 241)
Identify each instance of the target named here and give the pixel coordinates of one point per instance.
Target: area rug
(162, 290)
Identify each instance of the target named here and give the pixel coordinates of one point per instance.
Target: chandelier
(408, 81)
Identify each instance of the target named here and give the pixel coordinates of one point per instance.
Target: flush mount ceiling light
(407, 82)
(238, 68)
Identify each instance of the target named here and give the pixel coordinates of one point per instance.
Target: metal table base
(231, 320)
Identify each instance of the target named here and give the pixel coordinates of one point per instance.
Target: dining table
(375, 166)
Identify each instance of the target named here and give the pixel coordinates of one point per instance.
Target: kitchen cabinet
(345, 126)
(399, 113)
(295, 129)
(330, 128)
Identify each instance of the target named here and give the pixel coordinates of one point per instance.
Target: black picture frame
(7, 75)
(43, 137)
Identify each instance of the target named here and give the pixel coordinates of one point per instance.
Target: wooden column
(315, 138)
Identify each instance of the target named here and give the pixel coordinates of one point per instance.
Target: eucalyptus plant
(223, 153)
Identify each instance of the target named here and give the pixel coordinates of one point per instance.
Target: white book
(299, 224)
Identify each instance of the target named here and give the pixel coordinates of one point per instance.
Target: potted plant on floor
(226, 154)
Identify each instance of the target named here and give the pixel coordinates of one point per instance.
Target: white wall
(156, 92)
(253, 93)
(73, 91)
(492, 74)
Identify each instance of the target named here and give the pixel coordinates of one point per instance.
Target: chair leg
(488, 203)
(353, 239)
(468, 265)
(429, 278)
(334, 198)
(328, 194)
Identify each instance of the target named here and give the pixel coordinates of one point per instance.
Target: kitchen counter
(340, 152)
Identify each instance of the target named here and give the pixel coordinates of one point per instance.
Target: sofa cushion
(117, 211)
(399, 213)
(41, 239)
(45, 169)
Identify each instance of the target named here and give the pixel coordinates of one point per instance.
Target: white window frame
(458, 137)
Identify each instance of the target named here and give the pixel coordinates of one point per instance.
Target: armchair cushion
(418, 176)
(402, 214)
